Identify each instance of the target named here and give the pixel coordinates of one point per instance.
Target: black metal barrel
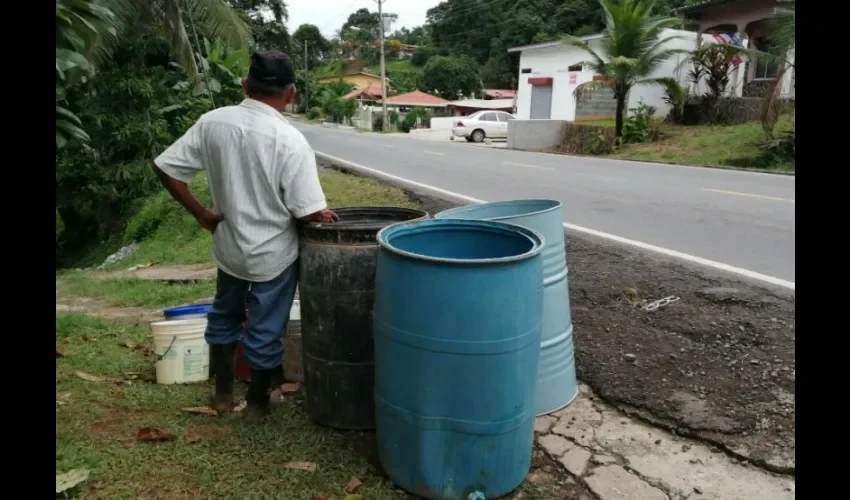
(337, 285)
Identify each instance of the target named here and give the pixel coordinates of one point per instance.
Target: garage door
(541, 102)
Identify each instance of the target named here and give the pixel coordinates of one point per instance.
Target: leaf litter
(97, 378)
(353, 485)
(305, 466)
(68, 480)
(201, 410)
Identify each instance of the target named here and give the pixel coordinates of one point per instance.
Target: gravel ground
(717, 365)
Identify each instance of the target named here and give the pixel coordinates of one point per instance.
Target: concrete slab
(620, 458)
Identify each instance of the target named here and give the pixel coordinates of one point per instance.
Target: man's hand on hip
(209, 220)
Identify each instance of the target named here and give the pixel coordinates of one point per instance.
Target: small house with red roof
(419, 99)
(367, 94)
(498, 94)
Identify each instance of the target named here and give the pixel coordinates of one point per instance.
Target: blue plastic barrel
(556, 376)
(187, 312)
(457, 320)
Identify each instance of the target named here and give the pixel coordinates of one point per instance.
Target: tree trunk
(621, 109)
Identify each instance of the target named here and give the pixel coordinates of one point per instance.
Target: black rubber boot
(258, 395)
(223, 358)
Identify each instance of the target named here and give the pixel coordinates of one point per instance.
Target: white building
(550, 72)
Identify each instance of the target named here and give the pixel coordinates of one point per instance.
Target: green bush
(409, 122)
(424, 115)
(314, 113)
(587, 140)
(639, 127)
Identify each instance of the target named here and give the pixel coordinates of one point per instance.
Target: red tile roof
(374, 93)
(417, 98)
(500, 93)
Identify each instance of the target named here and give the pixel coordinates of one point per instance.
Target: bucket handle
(160, 358)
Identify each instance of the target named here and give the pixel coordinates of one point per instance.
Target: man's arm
(176, 167)
(179, 190)
(302, 192)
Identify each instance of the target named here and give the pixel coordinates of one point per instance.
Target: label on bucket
(193, 361)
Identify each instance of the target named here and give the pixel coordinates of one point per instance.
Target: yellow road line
(526, 165)
(750, 195)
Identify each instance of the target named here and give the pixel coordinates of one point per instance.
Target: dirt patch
(177, 273)
(208, 431)
(69, 304)
(718, 364)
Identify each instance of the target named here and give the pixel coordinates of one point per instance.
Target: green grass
(401, 66)
(134, 292)
(97, 423)
(598, 123)
(708, 145)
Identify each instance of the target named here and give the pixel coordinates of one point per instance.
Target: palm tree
(213, 19)
(783, 40)
(633, 47)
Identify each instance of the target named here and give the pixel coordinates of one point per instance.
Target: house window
(765, 70)
(574, 67)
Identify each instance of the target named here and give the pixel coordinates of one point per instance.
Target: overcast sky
(329, 15)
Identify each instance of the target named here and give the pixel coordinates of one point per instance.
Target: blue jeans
(265, 305)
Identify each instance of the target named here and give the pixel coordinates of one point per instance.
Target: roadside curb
(716, 167)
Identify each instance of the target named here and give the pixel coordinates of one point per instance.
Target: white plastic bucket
(182, 354)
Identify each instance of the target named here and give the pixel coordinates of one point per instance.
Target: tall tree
(450, 76)
(633, 47)
(213, 19)
(267, 19)
(317, 45)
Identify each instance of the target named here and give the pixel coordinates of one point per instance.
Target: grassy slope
(403, 65)
(167, 234)
(705, 145)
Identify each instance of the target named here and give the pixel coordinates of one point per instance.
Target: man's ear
(245, 86)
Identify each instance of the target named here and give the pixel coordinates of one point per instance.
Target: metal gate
(541, 102)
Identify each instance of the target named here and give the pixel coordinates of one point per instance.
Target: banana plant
(79, 24)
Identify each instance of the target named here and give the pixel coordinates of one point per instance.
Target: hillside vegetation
(167, 234)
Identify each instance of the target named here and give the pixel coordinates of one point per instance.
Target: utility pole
(386, 119)
(306, 82)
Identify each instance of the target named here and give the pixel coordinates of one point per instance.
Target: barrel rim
(537, 240)
(416, 213)
(176, 312)
(442, 215)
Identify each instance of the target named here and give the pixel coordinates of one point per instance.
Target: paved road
(740, 219)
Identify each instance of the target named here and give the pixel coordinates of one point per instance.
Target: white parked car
(482, 124)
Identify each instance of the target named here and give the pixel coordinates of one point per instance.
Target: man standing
(263, 179)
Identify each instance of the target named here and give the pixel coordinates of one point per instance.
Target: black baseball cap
(272, 67)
